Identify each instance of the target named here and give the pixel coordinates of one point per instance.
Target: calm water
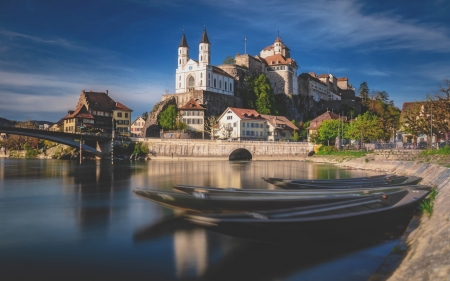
(63, 221)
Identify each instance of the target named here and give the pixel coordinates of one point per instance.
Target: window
(261, 126)
(189, 121)
(225, 86)
(231, 87)
(229, 117)
(214, 82)
(120, 122)
(253, 133)
(119, 114)
(191, 82)
(126, 122)
(126, 115)
(220, 84)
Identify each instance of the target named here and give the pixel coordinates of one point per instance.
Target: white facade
(136, 127)
(200, 75)
(242, 124)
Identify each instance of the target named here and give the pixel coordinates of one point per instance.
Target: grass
(442, 151)
(427, 204)
(343, 153)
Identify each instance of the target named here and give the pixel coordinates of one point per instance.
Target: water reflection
(61, 220)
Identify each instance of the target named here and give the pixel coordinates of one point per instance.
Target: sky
(51, 50)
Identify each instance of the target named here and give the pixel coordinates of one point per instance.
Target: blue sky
(51, 50)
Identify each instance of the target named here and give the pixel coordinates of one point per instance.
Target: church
(222, 86)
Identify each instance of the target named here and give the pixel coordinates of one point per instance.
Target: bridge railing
(217, 141)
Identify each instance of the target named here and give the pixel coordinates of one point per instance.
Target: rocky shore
(423, 253)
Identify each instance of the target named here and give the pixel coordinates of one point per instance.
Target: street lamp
(81, 140)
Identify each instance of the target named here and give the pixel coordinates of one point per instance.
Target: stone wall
(200, 148)
(424, 251)
(281, 82)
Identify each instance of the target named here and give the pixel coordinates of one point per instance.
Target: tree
(144, 115)
(364, 128)
(167, 118)
(329, 130)
(212, 126)
(229, 60)
(265, 100)
(363, 91)
(295, 136)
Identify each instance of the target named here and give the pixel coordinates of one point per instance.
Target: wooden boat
(298, 184)
(229, 191)
(204, 202)
(319, 222)
(332, 181)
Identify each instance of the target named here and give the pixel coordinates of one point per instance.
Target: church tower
(204, 53)
(183, 52)
(278, 46)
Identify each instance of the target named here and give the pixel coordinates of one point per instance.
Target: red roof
(278, 59)
(192, 105)
(316, 122)
(244, 113)
(120, 106)
(276, 121)
(80, 112)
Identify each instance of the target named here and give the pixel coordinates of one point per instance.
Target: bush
(31, 153)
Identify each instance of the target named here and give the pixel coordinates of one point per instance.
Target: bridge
(100, 145)
(70, 139)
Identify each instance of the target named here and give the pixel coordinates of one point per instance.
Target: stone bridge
(99, 145)
(232, 150)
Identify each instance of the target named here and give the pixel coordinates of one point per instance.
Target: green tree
(295, 136)
(365, 128)
(144, 115)
(229, 60)
(363, 91)
(265, 100)
(168, 117)
(329, 130)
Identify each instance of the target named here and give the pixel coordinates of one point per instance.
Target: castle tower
(183, 52)
(278, 46)
(204, 52)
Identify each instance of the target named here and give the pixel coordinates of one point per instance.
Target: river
(63, 221)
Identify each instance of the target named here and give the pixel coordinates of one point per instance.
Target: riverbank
(423, 253)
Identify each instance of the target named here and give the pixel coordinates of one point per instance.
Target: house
(242, 124)
(193, 114)
(96, 111)
(316, 122)
(279, 128)
(136, 127)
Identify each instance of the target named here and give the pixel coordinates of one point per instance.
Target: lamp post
(204, 114)
(81, 140)
(112, 140)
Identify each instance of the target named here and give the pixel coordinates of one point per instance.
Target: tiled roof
(244, 113)
(279, 59)
(99, 101)
(80, 112)
(316, 122)
(276, 121)
(343, 79)
(322, 76)
(120, 106)
(192, 105)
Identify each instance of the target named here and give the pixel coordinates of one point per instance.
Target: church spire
(205, 37)
(183, 42)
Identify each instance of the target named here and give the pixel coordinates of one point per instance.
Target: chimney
(106, 92)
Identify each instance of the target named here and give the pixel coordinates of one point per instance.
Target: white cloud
(331, 24)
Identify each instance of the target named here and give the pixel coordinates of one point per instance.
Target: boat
(339, 220)
(204, 202)
(332, 181)
(230, 191)
(300, 184)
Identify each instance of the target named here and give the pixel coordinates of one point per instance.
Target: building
(242, 124)
(325, 87)
(279, 128)
(96, 111)
(136, 127)
(316, 122)
(200, 74)
(193, 114)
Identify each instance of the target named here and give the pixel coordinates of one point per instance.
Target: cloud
(339, 24)
(374, 72)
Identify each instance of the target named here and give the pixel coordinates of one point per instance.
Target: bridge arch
(240, 154)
